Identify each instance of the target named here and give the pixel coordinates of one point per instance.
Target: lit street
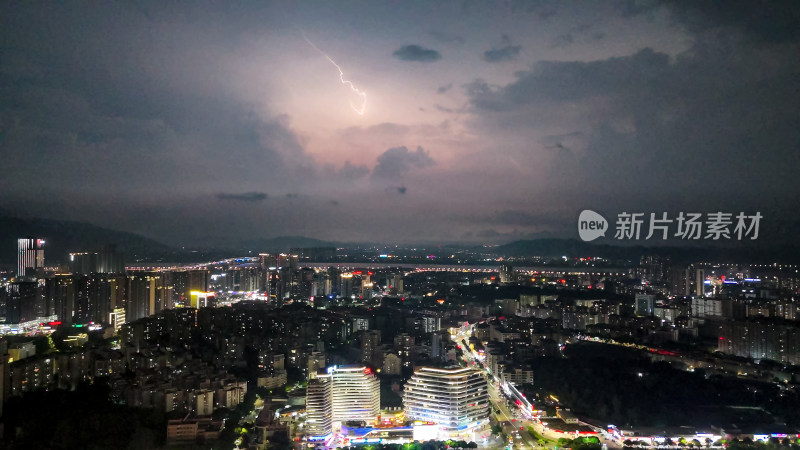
(514, 424)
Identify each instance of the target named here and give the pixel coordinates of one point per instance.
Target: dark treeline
(623, 387)
(83, 418)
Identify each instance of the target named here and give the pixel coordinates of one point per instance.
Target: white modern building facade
(30, 256)
(355, 394)
(339, 395)
(319, 411)
(454, 398)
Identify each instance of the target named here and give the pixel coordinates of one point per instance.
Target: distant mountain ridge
(62, 237)
(702, 251)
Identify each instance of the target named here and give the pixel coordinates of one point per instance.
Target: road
(514, 424)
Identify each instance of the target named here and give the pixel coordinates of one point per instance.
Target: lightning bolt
(361, 94)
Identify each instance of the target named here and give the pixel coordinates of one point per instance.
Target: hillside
(63, 237)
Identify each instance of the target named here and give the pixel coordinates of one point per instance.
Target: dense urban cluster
(299, 350)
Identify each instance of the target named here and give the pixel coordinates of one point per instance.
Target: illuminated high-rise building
(397, 283)
(346, 284)
(404, 346)
(287, 261)
(108, 260)
(645, 305)
(30, 256)
(60, 290)
(699, 282)
(145, 295)
(354, 395)
(200, 299)
(455, 399)
(316, 362)
(183, 282)
(83, 262)
(366, 286)
(760, 339)
(20, 302)
(319, 408)
(507, 273)
(370, 347)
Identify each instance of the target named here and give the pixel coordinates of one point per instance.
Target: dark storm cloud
(132, 114)
(445, 88)
(562, 40)
(767, 22)
(416, 53)
(505, 52)
(252, 197)
(127, 113)
(632, 8)
(671, 127)
(352, 172)
(581, 32)
(508, 53)
(398, 161)
(643, 72)
(89, 148)
(545, 15)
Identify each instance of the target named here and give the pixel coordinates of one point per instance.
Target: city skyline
(191, 123)
(520, 224)
(303, 355)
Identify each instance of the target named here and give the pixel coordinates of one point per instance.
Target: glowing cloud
(363, 95)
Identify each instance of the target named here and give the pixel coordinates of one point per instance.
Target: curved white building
(356, 394)
(341, 394)
(455, 399)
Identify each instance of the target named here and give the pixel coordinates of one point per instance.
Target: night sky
(205, 122)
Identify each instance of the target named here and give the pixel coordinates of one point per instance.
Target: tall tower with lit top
(30, 256)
